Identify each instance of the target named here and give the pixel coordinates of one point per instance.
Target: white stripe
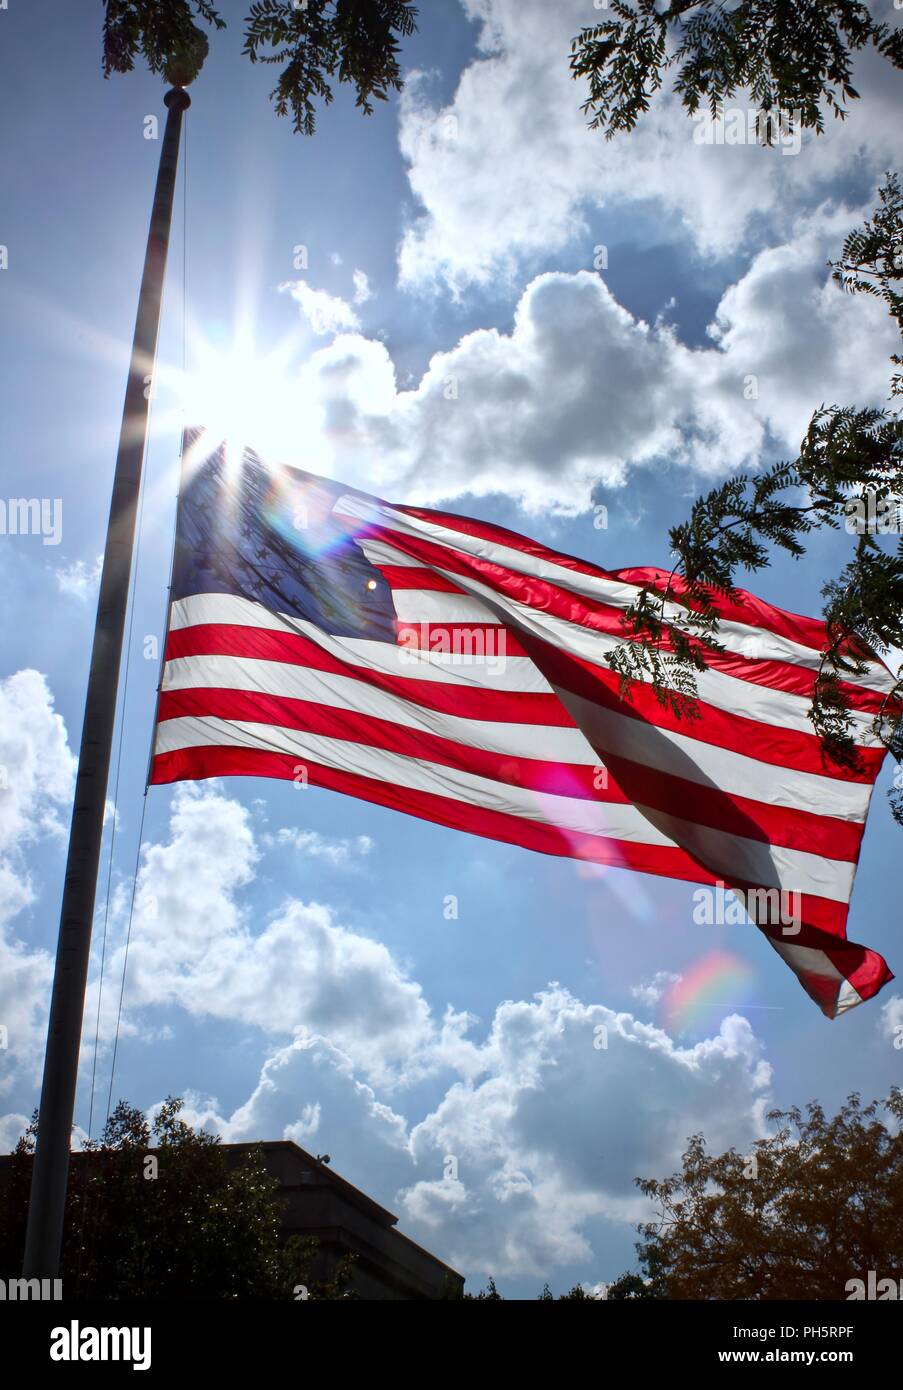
(847, 998)
(380, 554)
(807, 960)
(732, 773)
(732, 856)
(743, 639)
(551, 742)
(434, 606)
(711, 765)
(515, 674)
(775, 708)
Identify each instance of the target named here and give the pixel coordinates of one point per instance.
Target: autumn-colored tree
(815, 1205)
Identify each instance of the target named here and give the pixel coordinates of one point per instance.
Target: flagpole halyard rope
(125, 960)
(122, 712)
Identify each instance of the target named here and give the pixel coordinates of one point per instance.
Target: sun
(242, 398)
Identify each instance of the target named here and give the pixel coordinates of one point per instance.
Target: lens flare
(719, 980)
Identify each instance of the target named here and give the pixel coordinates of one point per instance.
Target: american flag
(455, 670)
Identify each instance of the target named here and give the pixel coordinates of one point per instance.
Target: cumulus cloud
(550, 411)
(12, 1127)
(302, 972)
(532, 1167)
(36, 781)
(890, 1020)
(492, 1164)
(508, 170)
(37, 764)
(506, 1174)
(513, 1152)
(25, 977)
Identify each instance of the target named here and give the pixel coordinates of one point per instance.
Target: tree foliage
(818, 1203)
(491, 1294)
(198, 1229)
(153, 30)
(353, 41)
(793, 56)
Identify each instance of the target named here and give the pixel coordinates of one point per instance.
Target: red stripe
(294, 649)
(744, 608)
(498, 640)
(767, 743)
(535, 774)
(820, 916)
(783, 826)
(627, 782)
(414, 577)
(600, 617)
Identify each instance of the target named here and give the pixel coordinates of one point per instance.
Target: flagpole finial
(177, 98)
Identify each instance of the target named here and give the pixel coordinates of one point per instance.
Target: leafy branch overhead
(153, 30)
(352, 38)
(316, 42)
(790, 55)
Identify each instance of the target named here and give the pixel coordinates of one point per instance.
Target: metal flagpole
(44, 1234)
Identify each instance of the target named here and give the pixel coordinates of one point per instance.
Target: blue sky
(292, 971)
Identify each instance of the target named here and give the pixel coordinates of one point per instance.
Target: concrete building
(346, 1221)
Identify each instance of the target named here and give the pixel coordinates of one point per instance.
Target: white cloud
(551, 410)
(326, 313)
(301, 973)
(508, 1155)
(521, 1169)
(651, 991)
(362, 290)
(12, 1127)
(508, 170)
(25, 977)
(890, 1020)
(537, 1164)
(308, 1089)
(36, 781)
(336, 852)
(36, 763)
(304, 1129)
(79, 579)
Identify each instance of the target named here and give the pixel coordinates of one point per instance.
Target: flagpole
(44, 1233)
